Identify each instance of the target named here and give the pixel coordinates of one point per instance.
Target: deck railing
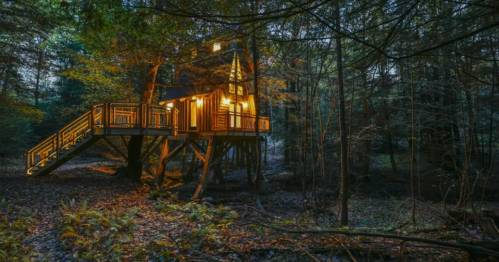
(132, 115)
(239, 122)
(106, 115)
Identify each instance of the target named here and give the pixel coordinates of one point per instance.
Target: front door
(235, 115)
(192, 115)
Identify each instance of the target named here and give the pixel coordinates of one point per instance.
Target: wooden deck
(103, 120)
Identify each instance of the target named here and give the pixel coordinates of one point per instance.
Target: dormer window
(216, 47)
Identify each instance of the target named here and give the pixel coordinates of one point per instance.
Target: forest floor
(82, 213)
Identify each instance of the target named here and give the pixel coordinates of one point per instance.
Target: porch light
(226, 101)
(199, 102)
(245, 104)
(169, 105)
(216, 47)
(193, 98)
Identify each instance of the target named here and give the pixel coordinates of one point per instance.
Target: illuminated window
(193, 108)
(216, 47)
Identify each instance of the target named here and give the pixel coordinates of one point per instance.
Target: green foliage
(16, 119)
(12, 236)
(92, 233)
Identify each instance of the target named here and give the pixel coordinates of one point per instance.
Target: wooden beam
(146, 155)
(124, 141)
(155, 147)
(146, 152)
(189, 176)
(115, 148)
(196, 152)
(160, 172)
(196, 145)
(246, 150)
(222, 154)
(206, 168)
(174, 152)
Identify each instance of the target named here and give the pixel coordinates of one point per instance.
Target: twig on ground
(235, 251)
(346, 249)
(411, 239)
(208, 257)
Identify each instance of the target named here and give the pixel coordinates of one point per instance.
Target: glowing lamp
(245, 105)
(170, 105)
(193, 97)
(199, 102)
(216, 47)
(226, 101)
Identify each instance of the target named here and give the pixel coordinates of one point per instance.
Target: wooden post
(265, 154)
(183, 160)
(217, 167)
(206, 169)
(57, 147)
(248, 169)
(160, 172)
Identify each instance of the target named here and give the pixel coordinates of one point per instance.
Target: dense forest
(383, 134)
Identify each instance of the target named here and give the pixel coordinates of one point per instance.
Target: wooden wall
(212, 103)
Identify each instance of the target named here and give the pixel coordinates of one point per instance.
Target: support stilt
(160, 172)
(206, 169)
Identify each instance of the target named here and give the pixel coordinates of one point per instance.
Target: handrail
(239, 122)
(105, 115)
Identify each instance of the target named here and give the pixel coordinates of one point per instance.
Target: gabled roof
(205, 75)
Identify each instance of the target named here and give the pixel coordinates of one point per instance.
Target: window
(240, 89)
(216, 47)
(233, 75)
(193, 114)
(235, 117)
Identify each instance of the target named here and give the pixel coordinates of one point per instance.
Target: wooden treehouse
(210, 110)
(214, 104)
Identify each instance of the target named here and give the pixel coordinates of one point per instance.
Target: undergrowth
(94, 234)
(13, 232)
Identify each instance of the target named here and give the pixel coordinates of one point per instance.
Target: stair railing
(51, 147)
(105, 115)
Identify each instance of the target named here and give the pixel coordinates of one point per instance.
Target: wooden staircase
(103, 120)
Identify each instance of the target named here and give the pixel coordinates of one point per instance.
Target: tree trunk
(491, 118)
(287, 149)
(38, 73)
(257, 115)
(343, 134)
(134, 168)
(389, 140)
(365, 112)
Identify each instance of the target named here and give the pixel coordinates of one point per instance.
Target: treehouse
(214, 100)
(210, 102)
(212, 96)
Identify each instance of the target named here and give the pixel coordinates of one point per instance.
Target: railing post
(92, 120)
(104, 117)
(147, 118)
(27, 161)
(57, 147)
(108, 117)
